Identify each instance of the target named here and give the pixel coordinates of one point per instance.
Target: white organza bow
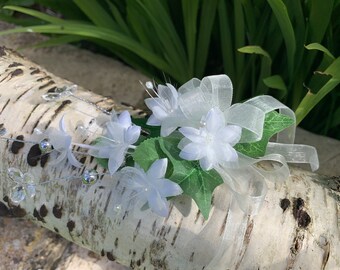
(245, 179)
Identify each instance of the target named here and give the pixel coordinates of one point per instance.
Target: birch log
(298, 226)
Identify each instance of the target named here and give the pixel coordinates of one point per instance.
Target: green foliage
(195, 182)
(282, 48)
(273, 123)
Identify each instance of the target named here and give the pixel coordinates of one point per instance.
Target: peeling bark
(297, 227)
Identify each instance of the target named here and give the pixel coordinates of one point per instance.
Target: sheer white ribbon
(245, 179)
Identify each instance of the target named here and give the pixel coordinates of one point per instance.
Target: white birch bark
(298, 226)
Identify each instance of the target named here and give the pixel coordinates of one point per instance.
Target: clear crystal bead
(45, 146)
(30, 191)
(90, 177)
(17, 194)
(51, 96)
(15, 174)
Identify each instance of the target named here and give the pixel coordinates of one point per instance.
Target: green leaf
(274, 122)
(103, 162)
(148, 152)
(319, 47)
(256, 50)
(276, 82)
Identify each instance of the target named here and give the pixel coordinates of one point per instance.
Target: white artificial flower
(62, 144)
(164, 107)
(119, 135)
(211, 144)
(152, 187)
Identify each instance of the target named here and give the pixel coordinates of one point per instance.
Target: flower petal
(166, 130)
(214, 120)
(174, 96)
(157, 169)
(192, 151)
(192, 134)
(62, 125)
(230, 134)
(153, 121)
(61, 158)
(116, 160)
(132, 134)
(72, 160)
(158, 204)
(124, 119)
(206, 163)
(167, 188)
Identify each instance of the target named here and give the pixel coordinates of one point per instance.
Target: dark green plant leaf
(274, 122)
(103, 162)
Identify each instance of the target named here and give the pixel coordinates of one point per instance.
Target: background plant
(289, 49)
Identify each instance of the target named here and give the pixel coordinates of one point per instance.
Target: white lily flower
(120, 135)
(152, 187)
(165, 109)
(211, 144)
(62, 144)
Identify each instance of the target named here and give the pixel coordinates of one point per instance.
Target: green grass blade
(319, 18)
(321, 48)
(207, 18)
(190, 12)
(118, 17)
(36, 14)
(90, 31)
(281, 14)
(311, 99)
(96, 13)
(276, 82)
(226, 41)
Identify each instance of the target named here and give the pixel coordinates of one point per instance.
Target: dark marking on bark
(28, 117)
(102, 253)
(70, 225)
(107, 201)
(284, 204)
(35, 71)
(33, 155)
(153, 230)
(48, 124)
(110, 256)
(38, 121)
(17, 211)
(47, 84)
(138, 262)
(43, 211)
(156, 251)
(301, 216)
(16, 146)
(44, 79)
(162, 231)
(17, 72)
(297, 244)
(303, 219)
(191, 259)
(177, 232)
(197, 216)
(325, 257)
(224, 224)
(15, 64)
(4, 107)
(61, 107)
(2, 51)
(37, 215)
(52, 90)
(56, 230)
(22, 94)
(6, 199)
(82, 160)
(127, 105)
(44, 159)
(4, 211)
(135, 233)
(116, 243)
(57, 211)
